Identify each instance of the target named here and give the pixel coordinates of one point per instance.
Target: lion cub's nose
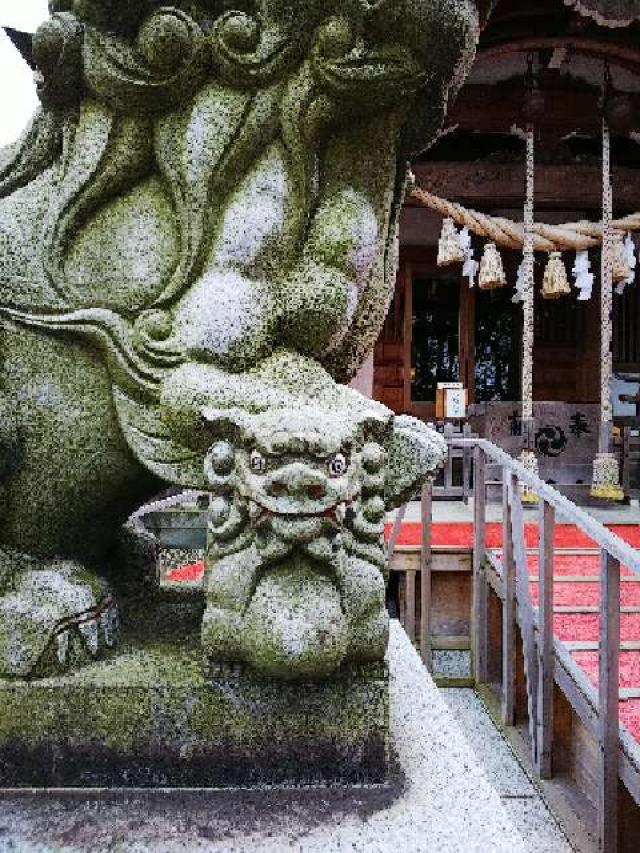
(297, 480)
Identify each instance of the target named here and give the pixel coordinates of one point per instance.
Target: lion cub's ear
(415, 453)
(375, 426)
(231, 424)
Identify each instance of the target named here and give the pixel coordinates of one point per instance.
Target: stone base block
(437, 800)
(150, 718)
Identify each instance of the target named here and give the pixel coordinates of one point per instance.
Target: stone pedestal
(150, 718)
(437, 800)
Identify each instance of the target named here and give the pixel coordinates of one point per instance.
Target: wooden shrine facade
(439, 329)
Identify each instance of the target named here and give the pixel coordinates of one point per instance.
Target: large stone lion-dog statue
(198, 241)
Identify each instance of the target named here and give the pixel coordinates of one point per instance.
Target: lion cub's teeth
(109, 625)
(62, 643)
(341, 512)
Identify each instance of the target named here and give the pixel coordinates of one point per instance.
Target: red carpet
(586, 626)
(576, 627)
(630, 716)
(576, 565)
(460, 534)
(190, 573)
(629, 677)
(629, 666)
(588, 594)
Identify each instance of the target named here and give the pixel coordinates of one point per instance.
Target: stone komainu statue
(198, 241)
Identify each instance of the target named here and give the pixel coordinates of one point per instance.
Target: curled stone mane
(192, 95)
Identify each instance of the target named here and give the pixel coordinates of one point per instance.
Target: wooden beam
(593, 645)
(480, 591)
(495, 109)
(608, 695)
(629, 693)
(491, 185)
(547, 522)
(560, 608)
(410, 604)
(442, 642)
(508, 606)
(425, 577)
(626, 579)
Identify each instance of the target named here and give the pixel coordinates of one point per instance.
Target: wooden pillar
(608, 701)
(407, 278)
(509, 604)
(544, 737)
(395, 531)
(480, 591)
(467, 337)
(410, 604)
(425, 577)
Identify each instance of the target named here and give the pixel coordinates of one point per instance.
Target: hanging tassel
(450, 250)
(606, 478)
(582, 276)
(470, 266)
(620, 269)
(521, 282)
(491, 269)
(555, 282)
(631, 260)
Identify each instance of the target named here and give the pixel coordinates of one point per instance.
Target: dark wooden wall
(566, 352)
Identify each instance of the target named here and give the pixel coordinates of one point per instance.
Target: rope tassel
(555, 282)
(450, 250)
(491, 269)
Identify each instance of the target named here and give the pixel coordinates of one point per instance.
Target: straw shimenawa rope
(573, 236)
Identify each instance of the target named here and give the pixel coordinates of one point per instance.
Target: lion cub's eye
(337, 465)
(257, 462)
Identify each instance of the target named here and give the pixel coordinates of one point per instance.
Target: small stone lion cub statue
(296, 561)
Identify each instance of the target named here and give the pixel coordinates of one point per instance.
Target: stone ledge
(149, 718)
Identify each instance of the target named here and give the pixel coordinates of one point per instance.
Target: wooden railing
(541, 652)
(453, 483)
(630, 458)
